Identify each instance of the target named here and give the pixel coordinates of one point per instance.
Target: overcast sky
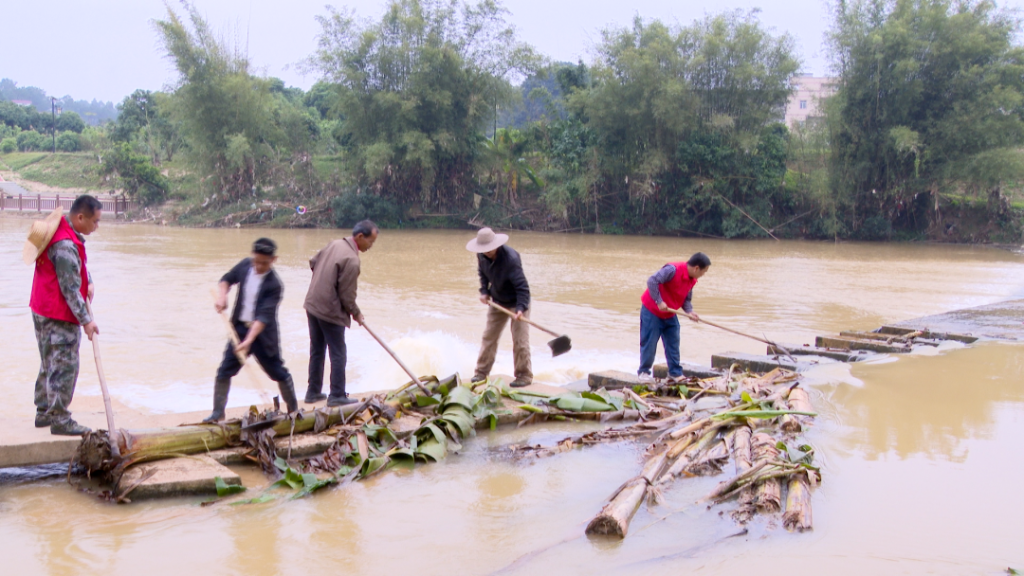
(105, 49)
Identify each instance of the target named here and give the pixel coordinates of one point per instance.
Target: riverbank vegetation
(436, 115)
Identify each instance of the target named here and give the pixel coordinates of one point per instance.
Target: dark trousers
(653, 329)
(270, 360)
(326, 336)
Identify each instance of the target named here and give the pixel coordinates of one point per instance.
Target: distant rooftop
(22, 102)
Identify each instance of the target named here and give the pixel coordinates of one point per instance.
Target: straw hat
(486, 240)
(40, 235)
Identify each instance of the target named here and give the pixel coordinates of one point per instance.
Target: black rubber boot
(287, 388)
(220, 400)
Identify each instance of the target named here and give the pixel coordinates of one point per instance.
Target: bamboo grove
(435, 114)
(689, 430)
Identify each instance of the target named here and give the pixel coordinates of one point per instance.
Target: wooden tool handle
(241, 357)
(720, 327)
(388, 349)
(103, 378)
(524, 319)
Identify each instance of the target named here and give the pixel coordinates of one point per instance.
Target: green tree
(930, 99)
(143, 117)
(417, 89)
(70, 122)
(245, 131)
(505, 156)
(679, 124)
(135, 174)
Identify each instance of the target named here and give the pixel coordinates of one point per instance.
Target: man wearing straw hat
(60, 286)
(503, 281)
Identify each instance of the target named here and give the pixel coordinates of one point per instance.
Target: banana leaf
(292, 479)
(523, 398)
(432, 450)
(371, 465)
(383, 435)
(262, 498)
(422, 400)
(429, 429)
(401, 453)
(489, 397)
(456, 415)
(802, 454)
(614, 401)
(459, 396)
(576, 403)
(224, 489)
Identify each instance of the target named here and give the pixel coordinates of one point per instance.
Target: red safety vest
(673, 292)
(47, 299)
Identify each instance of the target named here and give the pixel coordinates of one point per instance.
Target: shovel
(560, 345)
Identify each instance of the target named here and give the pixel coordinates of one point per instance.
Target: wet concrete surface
(999, 321)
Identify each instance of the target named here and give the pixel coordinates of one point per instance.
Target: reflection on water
(917, 452)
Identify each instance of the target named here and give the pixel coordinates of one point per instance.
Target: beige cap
(486, 240)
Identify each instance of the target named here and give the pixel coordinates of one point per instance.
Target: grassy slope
(61, 170)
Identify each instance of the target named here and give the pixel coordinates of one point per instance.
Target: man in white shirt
(255, 320)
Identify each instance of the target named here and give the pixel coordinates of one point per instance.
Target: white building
(804, 102)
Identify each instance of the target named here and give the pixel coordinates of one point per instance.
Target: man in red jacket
(669, 289)
(60, 287)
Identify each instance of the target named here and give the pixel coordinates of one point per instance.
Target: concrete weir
(997, 321)
(21, 444)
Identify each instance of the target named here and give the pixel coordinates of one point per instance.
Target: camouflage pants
(58, 369)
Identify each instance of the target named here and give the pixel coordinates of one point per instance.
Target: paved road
(13, 189)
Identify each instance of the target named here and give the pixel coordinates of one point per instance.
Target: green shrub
(8, 145)
(30, 141)
(69, 142)
(351, 207)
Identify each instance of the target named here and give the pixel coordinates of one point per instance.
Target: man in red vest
(60, 287)
(669, 289)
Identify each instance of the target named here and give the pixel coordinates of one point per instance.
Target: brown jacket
(332, 291)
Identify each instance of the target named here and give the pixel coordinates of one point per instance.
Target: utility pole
(53, 126)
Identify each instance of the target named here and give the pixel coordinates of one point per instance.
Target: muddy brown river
(921, 456)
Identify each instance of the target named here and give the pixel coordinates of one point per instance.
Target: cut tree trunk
(616, 515)
(798, 504)
(768, 495)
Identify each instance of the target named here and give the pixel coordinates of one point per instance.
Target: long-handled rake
(785, 350)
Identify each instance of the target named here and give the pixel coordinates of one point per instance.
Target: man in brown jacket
(330, 306)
